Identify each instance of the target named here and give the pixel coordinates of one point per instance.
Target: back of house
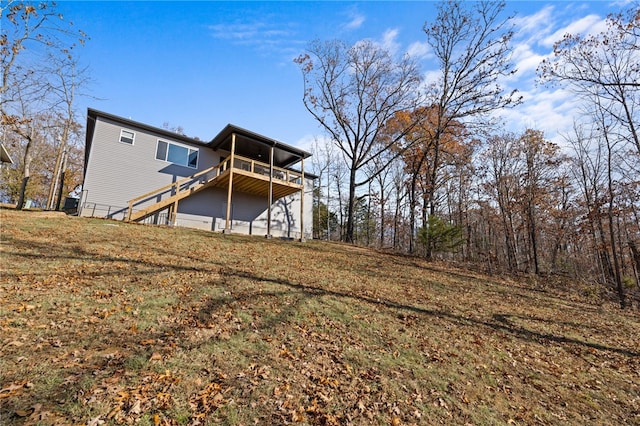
(239, 182)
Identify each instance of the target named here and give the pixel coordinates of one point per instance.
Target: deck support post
(174, 214)
(227, 227)
(270, 195)
(302, 203)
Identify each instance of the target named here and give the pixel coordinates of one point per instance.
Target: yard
(103, 322)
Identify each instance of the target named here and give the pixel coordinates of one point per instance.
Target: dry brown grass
(108, 323)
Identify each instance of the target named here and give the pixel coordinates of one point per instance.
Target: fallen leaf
(24, 413)
(95, 421)
(136, 409)
(10, 390)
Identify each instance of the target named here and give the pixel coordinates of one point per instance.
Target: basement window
(127, 136)
(177, 154)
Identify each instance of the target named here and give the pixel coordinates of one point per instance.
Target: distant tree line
(422, 167)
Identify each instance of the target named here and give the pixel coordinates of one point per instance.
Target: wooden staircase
(169, 195)
(250, 176)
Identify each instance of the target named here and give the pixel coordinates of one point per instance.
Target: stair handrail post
(129, 211)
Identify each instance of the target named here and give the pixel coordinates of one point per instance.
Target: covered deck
(260, 166)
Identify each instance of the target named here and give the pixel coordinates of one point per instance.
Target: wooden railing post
(270, 194)
(230, 189)
(129, 211)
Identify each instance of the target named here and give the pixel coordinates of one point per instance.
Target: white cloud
(419, 50)
(389, 40)
(534, 25)
(551, 111)
(235, 31)
(526, 60)
(312, 143)
(263, 36)
(589, 24)
(356, 21)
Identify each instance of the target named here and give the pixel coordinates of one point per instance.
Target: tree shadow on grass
(131, 357)
(500, 322)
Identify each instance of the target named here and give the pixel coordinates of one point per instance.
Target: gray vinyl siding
(207, 210)
(117, 172)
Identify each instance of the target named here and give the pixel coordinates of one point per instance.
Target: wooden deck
(249, 176)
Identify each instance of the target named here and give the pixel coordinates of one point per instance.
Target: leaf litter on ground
(134, 324)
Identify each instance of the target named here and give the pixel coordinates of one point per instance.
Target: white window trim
(177, 144)
(133, 137)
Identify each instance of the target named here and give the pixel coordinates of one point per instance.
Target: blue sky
(203, 64)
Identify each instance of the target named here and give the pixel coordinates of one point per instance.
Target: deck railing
(180, 186)
(184, 186)
(253, 166)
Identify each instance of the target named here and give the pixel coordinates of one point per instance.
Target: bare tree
(65, 79)
(352, 92)
(503, 171)
(471, 43)
(604, 68)
(25, 25)
(541, 160)
(28, 88)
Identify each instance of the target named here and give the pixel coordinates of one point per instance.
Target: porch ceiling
(255, 184)
(255, 146)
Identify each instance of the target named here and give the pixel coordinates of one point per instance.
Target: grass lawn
(104, 322)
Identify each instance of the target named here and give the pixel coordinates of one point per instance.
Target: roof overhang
(4, 155)
(253, 145)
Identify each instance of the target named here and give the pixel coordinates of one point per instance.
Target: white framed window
(177, 154)
(127, 136)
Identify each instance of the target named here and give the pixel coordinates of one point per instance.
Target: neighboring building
(4, 155)
(238, 182)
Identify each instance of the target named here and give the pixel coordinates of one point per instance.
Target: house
(239, 182)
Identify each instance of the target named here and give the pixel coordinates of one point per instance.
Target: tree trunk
(532, 237)
(636, 258)
(340, 209)
(614, 250)
(26, 173)
(349, 236)
(412, 213)
(382, 203)
(23, 190)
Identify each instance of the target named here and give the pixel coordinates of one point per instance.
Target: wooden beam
(174, 213)
(227, 224)
(270, 194)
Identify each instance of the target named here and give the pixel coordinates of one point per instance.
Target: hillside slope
(109, 322)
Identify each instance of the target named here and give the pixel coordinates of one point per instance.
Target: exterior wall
(208, 209)
(117, 172)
